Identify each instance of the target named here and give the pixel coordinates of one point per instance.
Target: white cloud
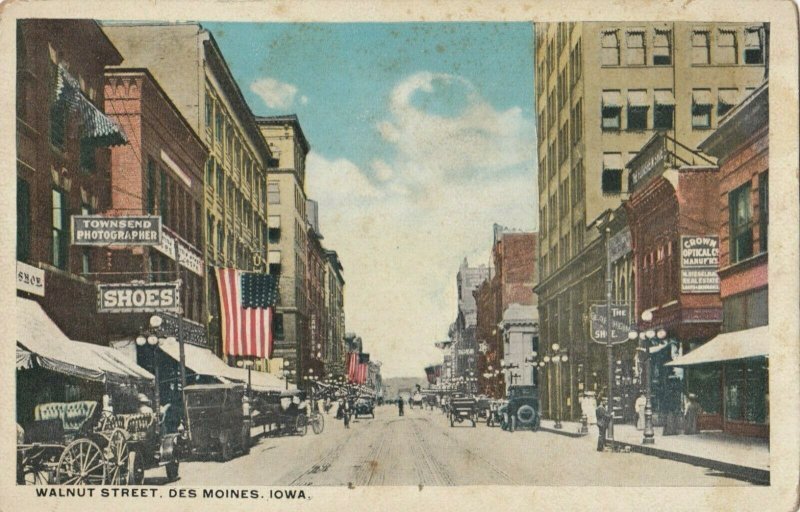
(304, 100)
(403, 224)
(276, 94)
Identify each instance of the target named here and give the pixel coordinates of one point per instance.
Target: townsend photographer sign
(139, 297)
(129, 230)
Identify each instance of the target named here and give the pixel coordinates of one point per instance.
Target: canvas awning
(98, 128)
(262, 381)
(274, 221)
(665, 97)
(702, 97)
(47, 347)
(201, 361)
(612, 99)
(638, 99)
(729, 346)
(729, 96)
(612, 161)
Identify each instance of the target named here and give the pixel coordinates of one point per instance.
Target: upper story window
(636, 51)
(763, 210)
(753, 46)
(700, 47)
(727, 100)
(701, 108)
(638, 105)
(663, 109)
(612, 109)
(741, 227)
(610, 47)
(218, 126)
(612, 173)
(209, 110)
(60, 229)
(273, 192)
(662, 48)
(727, 50)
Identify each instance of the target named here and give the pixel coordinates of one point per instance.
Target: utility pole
(609, 346)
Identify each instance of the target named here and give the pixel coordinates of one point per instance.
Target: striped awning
(98, 128)
(665, 97)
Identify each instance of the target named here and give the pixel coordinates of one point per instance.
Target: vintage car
(482, 406)
(522, 410)
(365, 406)
(216, 421)
(462, 408)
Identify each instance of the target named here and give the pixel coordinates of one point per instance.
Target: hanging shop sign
(139, 297)
(650, 161)
(129, 230)
(699, 264)
(30, 279)
(619, 245)
(620, 323)
(173, 248)
(190, 332)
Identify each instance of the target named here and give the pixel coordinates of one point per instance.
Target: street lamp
(287, 372)
(557, 357)
(149, 338)
(646, 338)
(604, 226)
(241, 363)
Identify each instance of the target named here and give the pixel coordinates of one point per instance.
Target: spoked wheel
(135, 473)
(81, 463)
(33, 472)
(318, 423)
(301, 425)
(117, 455)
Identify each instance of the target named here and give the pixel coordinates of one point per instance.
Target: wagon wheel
(32, 470)
(135, 469)
(301, 425)
(318, 424)
(117, 455)
(81, 463)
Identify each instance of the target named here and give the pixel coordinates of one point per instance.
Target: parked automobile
(522, 410)
(482, 406)
(216, 421)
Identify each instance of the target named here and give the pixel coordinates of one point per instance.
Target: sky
(422, 137)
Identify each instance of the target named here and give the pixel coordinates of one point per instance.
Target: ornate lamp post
(647, 338)
(148, 338)
(241, 363)
(557, 357)
(287, 372)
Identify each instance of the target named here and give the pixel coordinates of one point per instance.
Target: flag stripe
(247, 331)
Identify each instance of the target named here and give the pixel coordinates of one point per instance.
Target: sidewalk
(742, 457)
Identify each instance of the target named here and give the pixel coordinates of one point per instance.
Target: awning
(97, 127)
(201, 361)
(612, 161)
(665, 97)
(262, 381)
(274, 257)
(638, 99)
(702, 97)
(274, 221)
(49, 348)
(729, 96)
(729, 347)
(612, 99)
(24, 359)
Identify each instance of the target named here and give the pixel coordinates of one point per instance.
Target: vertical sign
(699, 264)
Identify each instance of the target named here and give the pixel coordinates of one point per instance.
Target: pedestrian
(346, 413)
(144, 404)
(603, 420)
(400, 406)
(693, 411)
(641, 403)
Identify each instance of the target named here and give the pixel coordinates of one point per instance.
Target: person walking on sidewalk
(693, 411)
(603, 419)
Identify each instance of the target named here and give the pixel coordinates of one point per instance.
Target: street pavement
(421, 448)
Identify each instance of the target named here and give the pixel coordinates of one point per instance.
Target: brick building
(63, 163)
(334, 353)
(313, 346)
(730, 373)
(675, 241)
(515, 273)
(160, 172)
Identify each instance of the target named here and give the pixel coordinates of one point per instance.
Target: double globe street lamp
(646, 339)
(556, 357)
(149, 339)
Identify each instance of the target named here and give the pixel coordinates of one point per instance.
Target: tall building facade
(287, 241)
(465, 346)
(63, 164)
(186, 61)
(313, 349)
(602, 90)
(334, 353)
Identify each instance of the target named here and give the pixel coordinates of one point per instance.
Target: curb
(750, 474)
(562, 432)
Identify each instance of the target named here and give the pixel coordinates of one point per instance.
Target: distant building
(464, 347)
(334, 353)
(313, 346)
(520, 325)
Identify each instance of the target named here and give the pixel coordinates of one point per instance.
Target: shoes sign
(139, 297)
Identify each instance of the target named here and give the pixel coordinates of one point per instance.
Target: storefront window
(747, 392)
(704, 381)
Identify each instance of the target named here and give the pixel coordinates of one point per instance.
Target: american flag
(246, 302)
(352, 366)
(361, 373)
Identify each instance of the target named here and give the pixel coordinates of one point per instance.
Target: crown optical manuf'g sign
(139, 297)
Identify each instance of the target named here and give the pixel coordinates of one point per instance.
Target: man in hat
(603, 419)
(144, 404)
